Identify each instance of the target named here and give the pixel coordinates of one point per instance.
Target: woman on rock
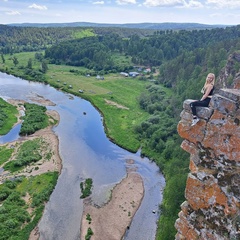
(207, 92)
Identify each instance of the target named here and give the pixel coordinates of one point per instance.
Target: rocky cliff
(212, 207)
(230, 75)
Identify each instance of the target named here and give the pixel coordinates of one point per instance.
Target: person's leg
(195, 104)
(193, 107)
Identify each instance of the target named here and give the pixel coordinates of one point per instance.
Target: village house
(133, 74)
(147, 70)
(124, 74)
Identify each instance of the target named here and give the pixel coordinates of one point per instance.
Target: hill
(155, 26)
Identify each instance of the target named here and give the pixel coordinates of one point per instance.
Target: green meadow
(121, 114)
(116, 97)
(8, 116)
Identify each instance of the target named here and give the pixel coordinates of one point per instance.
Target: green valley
(141, 111)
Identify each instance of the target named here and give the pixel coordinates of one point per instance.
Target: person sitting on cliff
(207, 92)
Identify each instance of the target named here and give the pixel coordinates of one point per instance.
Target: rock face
(212, 207)
(229, 76)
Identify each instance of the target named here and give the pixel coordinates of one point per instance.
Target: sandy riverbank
(107, 222)
(50, 144)
(50, 141)
(113, 219)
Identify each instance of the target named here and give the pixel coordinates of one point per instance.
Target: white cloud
(164, 3)
(12, 13)
(224, 3)
(99, 3)
(175, 3)
(35, 6)
(124, 2)
(194, 4)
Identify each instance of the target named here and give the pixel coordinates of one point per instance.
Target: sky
(225, 12)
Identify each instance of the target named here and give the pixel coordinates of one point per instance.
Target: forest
(96, 52)
(182, 60)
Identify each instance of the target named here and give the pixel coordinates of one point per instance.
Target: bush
(35, 119)
(89, 234)
(86, 188)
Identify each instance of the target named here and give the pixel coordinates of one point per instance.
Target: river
(86, 152)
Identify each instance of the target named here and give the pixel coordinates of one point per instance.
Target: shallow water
(11, 135)
(86, 152)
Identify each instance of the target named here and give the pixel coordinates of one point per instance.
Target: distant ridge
(156, 26)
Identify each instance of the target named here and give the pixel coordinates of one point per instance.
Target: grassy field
(19, 217)
(8, 117)
(116, 97)
(121, 112)
(5, 154)
(83, 33)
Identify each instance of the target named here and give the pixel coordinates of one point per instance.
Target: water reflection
(86, 152)
(12, 135)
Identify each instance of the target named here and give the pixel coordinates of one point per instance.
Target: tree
(39, 56)
(3, 59)
(15, 61)
(44, 66)
(29, 65)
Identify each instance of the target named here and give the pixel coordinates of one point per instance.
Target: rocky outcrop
(212, 207)
(230, 74)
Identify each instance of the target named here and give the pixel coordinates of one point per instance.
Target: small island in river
(109, 221)
(51, 145)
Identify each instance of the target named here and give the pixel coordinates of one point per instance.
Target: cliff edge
(212, 207)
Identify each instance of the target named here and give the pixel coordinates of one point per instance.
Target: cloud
(224, 3)
(38, 7)
(173, 3)
(99, 3)
(124, 2)
(194, 4)
(12, 13)
(164, 3)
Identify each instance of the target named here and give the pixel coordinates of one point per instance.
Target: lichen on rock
(212, 207)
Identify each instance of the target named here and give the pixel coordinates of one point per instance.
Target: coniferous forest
(180, 61)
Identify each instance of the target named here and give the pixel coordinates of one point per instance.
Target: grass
(37, 184)
(57, 75)
(16, 222)
(83, 33)
(121, 60)
(119, 123)
(8, 117)
(28, 153)
(5, 154)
